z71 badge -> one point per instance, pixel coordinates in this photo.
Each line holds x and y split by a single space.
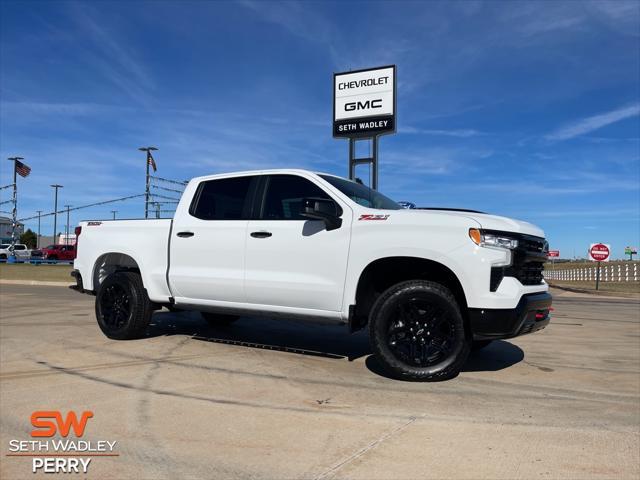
373 217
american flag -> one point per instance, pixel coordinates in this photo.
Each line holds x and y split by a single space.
22 169
151 161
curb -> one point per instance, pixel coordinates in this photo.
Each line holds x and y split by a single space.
34 282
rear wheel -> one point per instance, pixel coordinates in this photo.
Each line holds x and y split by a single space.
219 319
123 308
417 332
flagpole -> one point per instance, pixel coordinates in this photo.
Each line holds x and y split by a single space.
14 218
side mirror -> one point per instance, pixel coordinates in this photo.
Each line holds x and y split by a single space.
322 209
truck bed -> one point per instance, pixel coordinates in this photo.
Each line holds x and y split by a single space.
145 240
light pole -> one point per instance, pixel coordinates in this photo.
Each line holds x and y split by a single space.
150 162
114 213
66 237
14 213
38 238
55 211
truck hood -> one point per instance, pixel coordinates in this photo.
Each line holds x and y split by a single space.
490 222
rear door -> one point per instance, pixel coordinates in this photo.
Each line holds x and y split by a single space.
207 245
292 261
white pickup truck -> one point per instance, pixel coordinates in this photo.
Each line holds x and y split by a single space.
431 284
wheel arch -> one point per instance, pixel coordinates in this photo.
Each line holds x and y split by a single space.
382 273
112 262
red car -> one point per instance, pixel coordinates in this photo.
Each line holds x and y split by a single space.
56 252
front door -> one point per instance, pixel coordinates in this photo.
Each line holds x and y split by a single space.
292 261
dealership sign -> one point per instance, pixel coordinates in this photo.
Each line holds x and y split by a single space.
599 252
554 253
364 102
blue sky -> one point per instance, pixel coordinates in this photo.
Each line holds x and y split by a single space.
525 109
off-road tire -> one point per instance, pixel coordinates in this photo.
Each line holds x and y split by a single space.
384 316
123 309
219 319
480 344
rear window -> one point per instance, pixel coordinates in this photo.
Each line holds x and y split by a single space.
224 199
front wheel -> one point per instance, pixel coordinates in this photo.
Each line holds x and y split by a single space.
417 332
123 308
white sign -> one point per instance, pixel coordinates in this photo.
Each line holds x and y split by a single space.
364 102
599 252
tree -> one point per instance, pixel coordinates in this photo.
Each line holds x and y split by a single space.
29 238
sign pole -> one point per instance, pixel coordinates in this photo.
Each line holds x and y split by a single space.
352 158
598 275
374 163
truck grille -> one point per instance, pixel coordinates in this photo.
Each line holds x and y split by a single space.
530 273
527 262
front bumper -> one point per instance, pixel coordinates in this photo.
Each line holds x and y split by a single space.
530 315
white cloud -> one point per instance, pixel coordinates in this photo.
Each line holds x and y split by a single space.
459 133
595 122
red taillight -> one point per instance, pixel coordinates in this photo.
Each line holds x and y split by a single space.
78 231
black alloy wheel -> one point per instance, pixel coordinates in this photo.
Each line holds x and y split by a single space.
418 332
115 306
123 309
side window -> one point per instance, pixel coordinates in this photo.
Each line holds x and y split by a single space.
225 199
20 247
284 195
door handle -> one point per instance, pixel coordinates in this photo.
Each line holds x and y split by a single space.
185 234
261 234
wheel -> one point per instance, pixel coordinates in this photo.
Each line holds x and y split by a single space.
480 344
123 308
417 332
52 257
218 319
3 257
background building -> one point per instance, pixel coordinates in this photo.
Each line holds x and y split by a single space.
5 229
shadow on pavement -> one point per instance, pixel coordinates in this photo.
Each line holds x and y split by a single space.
307 338
294 336
497 356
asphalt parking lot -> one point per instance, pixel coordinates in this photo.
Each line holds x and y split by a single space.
282 399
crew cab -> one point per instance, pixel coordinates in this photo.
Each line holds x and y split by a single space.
19 250
429 284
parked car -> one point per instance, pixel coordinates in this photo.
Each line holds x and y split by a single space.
20 250
430 284
56 252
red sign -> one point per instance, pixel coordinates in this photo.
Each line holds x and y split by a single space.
599 252
554 253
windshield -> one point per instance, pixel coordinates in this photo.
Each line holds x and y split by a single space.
362 194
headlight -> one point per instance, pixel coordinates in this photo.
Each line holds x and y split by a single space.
485 239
